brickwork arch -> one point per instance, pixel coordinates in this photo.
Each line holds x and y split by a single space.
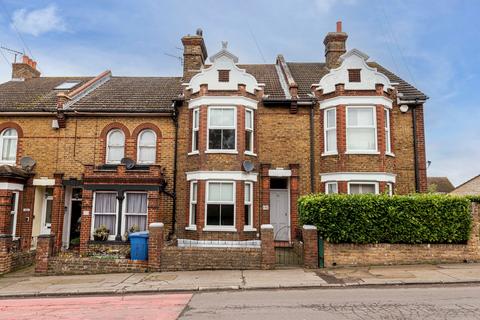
136 133
103 138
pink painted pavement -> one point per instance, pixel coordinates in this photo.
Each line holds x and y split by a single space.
134 307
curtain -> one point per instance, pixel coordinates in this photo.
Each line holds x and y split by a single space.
220 191
140 221
105 203
136 203
107 220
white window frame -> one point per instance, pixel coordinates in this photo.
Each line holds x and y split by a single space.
14 214
124 211
140 146
234 127
329 129
251 130
195 129
249 227
221 228
2 138
92 228
364 182
388 141
389 188
374 126
331 183
193 202
107 160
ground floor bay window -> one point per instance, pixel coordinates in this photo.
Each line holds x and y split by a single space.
362 188
220 206
134 208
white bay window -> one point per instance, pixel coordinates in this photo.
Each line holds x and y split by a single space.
388 143
249 131
362 188
330 129
220 205
192 220
195 129
222 128
361 130
248 205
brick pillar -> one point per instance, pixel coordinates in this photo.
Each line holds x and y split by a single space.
155 246
5 257
5 209
474 239
265 193
268 248
85 222
25 215
154 213
58 210
45 250
294 186
310 247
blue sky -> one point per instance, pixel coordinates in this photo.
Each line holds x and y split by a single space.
432 44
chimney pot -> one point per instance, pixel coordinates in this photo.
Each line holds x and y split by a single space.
27 69
335 46
25 59
339 26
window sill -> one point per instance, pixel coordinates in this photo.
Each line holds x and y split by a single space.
224 229
222 151
248 229
329 154
191 228
390 154
193 153
362 152
248 153
10 163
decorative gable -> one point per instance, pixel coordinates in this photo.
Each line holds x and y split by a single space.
223 74
354 73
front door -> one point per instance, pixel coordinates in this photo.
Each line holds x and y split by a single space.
47 211
279 214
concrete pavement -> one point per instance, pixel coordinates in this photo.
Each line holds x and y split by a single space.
24 283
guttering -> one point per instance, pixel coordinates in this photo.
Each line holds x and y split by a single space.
33 113
118 113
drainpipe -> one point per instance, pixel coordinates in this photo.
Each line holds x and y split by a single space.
175 158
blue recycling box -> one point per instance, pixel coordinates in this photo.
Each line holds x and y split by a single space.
139 245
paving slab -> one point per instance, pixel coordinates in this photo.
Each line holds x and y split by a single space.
286 278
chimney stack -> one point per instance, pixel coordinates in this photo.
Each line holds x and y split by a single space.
27 69
335 46
194 54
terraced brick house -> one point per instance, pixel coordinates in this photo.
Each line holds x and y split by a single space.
213 154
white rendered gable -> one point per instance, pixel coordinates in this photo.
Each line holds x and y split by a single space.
354 59
223 60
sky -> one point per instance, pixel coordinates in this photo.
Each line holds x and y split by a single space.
432 44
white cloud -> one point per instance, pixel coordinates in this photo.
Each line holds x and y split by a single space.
38 21
324 6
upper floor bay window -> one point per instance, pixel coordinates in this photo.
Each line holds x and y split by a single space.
388 143
248 205
221 128
220 205
361 129
192 219
147 147
330 129
249 131
8 145
331 187
115 146
195 129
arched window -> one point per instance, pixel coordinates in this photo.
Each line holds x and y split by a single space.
146 147
8 145
115 146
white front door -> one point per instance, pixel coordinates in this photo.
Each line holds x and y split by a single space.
280 214
47 212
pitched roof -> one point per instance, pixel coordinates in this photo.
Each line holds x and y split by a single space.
440 184
266 74
469 187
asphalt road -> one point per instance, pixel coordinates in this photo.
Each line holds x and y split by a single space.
461 302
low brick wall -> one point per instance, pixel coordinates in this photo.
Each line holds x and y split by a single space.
109 248
176 258
22 259
346 254
62 265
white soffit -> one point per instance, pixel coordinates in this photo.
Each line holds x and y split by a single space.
222 175
11 186
356 101
223 101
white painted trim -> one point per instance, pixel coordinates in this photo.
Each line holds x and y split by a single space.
191 228
218 243
223 101
309 227
139 140
11 186
195 128
335 183
219 228
266 227
222 175
235 127
44 182
358 176
377 191
92 227
226 228
250 204
190 204
249 229
279 173
356 100
229 151
374 127
156 225
325 130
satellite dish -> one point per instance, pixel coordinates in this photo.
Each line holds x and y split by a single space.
248 165
27 163
129 163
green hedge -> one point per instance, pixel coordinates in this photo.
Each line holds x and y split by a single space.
418 218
